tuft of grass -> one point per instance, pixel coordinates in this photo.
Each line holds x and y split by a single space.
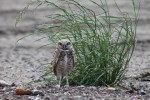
103 43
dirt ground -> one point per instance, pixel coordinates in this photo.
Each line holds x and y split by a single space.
22 62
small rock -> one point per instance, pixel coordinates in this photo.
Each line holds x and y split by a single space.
66 93
31 98
110 89
142 90
34 98
61 98
13 84
85 94
77 97
57 94
130 91
66 86
131 88
37 98
81 86
38 93
4 83
58 86
92 87
47 98
6 89
22 91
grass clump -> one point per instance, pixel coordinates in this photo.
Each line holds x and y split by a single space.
103 43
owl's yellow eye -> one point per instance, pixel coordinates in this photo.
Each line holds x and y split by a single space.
68 43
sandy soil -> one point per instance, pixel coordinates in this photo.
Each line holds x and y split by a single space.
24 62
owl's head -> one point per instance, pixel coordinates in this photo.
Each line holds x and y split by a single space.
64 44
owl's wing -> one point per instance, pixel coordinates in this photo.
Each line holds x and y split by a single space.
55 62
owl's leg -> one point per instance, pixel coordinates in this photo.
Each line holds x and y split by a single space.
59 79
67 81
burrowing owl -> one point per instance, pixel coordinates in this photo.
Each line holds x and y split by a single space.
63 60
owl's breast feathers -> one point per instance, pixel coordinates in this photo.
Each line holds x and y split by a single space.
62 60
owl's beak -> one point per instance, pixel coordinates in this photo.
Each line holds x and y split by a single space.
65 47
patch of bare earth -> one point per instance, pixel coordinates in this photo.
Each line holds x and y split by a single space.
23 62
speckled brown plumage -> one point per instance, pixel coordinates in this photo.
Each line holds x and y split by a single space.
63 60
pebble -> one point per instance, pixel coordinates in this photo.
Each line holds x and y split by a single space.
92 87
37 92
81 86
78 97
4 83
110 89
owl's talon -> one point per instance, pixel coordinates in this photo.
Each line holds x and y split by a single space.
66 86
